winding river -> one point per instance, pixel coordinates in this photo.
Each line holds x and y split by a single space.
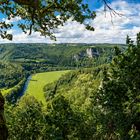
25 86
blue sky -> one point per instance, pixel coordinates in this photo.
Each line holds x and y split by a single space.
95 4
107 29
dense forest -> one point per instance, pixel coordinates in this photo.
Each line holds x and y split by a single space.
10 74
88 91
91 102
68 55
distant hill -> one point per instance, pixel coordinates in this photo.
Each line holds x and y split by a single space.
85 55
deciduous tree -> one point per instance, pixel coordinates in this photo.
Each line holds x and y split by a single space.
43 15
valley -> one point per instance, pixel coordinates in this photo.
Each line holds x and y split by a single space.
67 91
19 61
69 70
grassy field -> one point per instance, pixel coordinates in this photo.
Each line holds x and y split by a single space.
38 81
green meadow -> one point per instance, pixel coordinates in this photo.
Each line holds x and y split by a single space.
39 80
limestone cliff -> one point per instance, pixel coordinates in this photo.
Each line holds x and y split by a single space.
91 52
88 53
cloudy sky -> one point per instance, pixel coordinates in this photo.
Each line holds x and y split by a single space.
107 29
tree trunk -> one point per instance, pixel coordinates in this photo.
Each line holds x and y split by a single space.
3 128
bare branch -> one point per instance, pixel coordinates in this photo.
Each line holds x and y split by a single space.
111 10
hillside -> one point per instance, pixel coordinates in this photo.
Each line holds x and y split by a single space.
93 103
66 106
10 74
76 86
80 55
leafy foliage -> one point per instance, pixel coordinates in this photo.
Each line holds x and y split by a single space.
76 87
119 94
26 119
10 74
99 103
58 121
3 128
43 16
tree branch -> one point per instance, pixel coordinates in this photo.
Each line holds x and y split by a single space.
112 11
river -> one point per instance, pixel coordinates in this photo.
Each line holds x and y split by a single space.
25 86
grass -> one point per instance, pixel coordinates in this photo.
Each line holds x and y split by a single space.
6 91
38 81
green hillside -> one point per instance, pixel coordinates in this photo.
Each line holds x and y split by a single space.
10 74
76 86
58 54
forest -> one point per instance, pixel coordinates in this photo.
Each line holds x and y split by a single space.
69 91
91 102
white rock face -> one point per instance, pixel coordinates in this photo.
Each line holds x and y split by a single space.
91 52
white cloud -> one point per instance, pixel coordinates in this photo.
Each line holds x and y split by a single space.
105 31
12 20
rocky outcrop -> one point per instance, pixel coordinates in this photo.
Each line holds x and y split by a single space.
3 128
92 52
89 53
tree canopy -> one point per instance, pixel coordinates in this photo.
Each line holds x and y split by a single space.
42 15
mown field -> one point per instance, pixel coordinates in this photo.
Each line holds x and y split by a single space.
38 81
